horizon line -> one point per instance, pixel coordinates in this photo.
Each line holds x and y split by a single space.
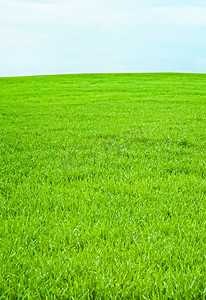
92 73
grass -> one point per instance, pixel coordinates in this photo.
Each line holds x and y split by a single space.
103 189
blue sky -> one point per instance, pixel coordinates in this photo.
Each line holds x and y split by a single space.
83 36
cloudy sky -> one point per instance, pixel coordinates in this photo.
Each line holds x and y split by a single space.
83 36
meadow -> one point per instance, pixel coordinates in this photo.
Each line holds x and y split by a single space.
103 186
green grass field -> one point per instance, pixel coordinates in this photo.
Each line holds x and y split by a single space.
103 187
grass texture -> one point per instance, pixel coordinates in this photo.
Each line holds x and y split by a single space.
102 187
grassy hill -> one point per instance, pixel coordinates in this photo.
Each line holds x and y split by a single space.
102 186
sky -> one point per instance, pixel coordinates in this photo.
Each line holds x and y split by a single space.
102 36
